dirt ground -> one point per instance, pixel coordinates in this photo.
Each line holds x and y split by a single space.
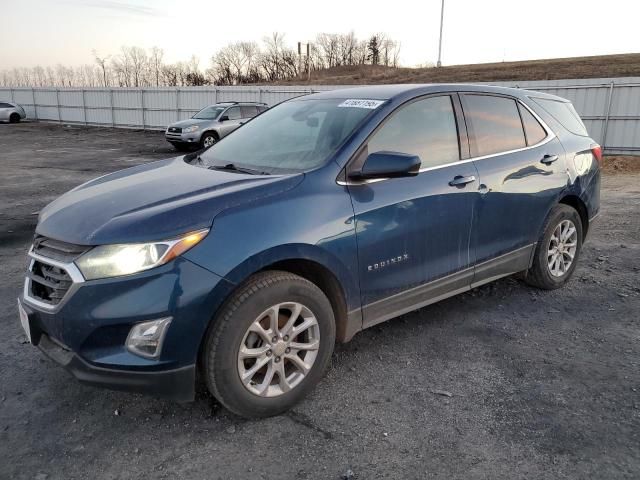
542 385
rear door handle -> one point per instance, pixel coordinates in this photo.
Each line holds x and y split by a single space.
549 159
460 181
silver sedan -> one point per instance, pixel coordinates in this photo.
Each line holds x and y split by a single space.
11 112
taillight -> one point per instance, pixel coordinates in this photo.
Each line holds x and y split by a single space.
597 152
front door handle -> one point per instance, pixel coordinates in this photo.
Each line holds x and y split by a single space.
460 181
549 159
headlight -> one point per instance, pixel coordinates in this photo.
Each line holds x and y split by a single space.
115 260
190 129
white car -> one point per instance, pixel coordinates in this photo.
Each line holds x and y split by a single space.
11 112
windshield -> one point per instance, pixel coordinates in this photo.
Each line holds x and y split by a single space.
294 136
209 113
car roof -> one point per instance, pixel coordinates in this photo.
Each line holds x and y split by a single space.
389 92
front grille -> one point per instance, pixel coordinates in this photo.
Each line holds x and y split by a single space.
48 278
174 130
48 283
57 250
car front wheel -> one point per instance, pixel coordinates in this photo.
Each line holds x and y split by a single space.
269 345
208 140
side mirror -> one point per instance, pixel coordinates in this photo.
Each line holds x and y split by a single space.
388 165
224 118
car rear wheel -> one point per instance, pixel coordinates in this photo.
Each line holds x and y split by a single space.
557 250
14 118
208 140
269 345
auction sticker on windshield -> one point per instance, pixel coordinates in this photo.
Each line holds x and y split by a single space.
361 103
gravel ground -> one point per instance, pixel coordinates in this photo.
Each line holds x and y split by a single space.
501 382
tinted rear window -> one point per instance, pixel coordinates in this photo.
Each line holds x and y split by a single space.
494 123
564 113
532 128
249 111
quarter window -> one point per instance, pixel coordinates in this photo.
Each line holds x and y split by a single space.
494 124
564 113
426 128
532 128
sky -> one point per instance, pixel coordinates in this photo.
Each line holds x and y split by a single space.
48 32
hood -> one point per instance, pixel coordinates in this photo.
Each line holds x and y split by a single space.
190 121
154 201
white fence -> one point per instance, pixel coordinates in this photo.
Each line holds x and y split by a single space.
610 107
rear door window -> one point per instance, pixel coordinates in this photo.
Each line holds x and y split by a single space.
564 113
494 124
249 111
534 132
426 128
233 113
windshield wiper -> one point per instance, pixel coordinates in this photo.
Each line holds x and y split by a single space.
230 167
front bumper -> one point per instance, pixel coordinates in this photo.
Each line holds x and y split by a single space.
191 138
87 334
175 384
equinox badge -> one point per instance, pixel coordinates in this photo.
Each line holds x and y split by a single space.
389 261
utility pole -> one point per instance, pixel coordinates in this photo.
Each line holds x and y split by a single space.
308 62
439 64
308 46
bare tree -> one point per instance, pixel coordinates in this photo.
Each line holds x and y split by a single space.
328 43
236 63
155 62
138 60
102 63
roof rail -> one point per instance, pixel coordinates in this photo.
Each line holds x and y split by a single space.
233 102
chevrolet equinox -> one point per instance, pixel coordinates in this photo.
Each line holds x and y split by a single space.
321 217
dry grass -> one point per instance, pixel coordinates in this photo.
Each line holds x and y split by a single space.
627 65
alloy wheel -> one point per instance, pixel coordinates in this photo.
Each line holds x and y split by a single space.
209 141
279 349
562 248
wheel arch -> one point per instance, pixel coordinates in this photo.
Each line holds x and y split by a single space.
315 264
326 281
577 204
347 323
210 130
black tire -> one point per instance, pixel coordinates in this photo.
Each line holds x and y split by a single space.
227 333
208 137
539 275
14 118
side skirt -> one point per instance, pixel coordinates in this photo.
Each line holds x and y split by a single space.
459 282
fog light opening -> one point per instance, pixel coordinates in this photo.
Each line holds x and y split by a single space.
145 339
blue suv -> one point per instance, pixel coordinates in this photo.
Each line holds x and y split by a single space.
320 217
